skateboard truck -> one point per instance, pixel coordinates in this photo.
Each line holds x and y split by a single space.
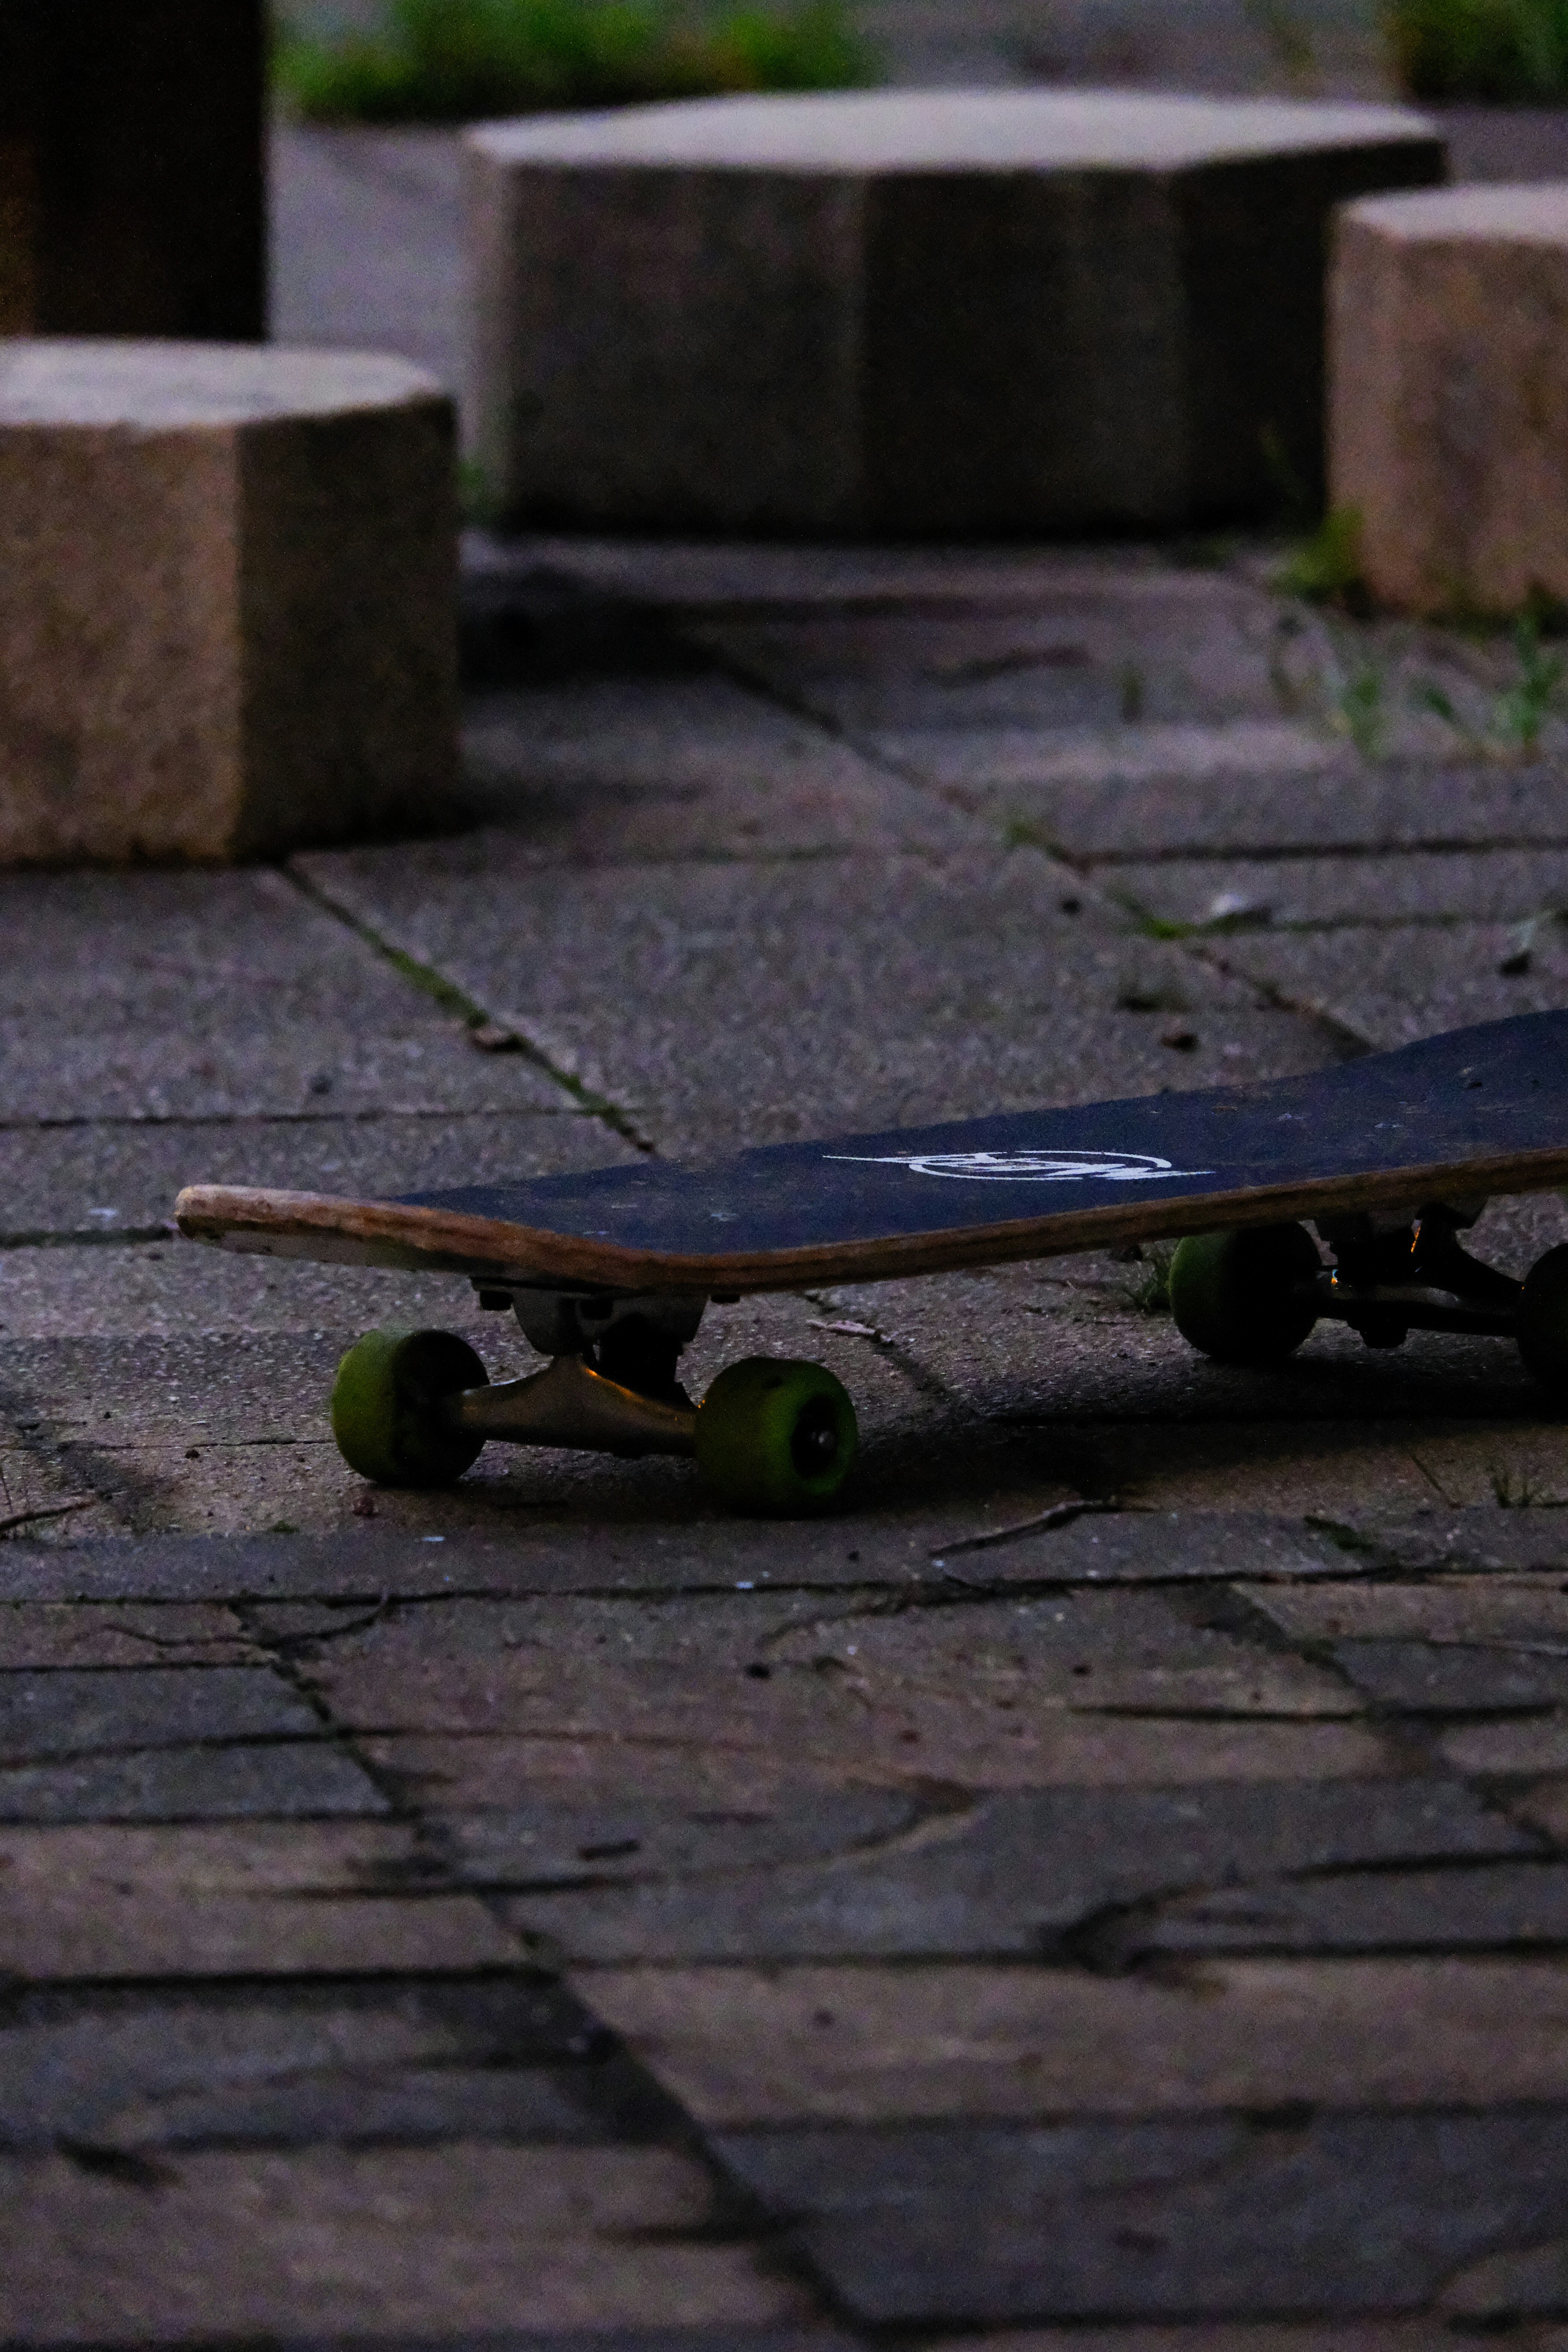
1392 1278
610 1387
570 1404
415 1409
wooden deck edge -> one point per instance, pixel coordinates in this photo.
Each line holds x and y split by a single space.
383 1233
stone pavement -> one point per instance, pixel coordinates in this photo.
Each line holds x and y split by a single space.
1108 1890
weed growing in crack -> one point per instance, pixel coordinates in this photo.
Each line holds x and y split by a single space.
1148 1293
1523 708
1325 566
1358 699
1440 703
1510 1495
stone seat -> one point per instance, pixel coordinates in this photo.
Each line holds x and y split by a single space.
227 599
945 311
1449 395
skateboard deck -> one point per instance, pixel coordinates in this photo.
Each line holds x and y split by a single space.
1477 1111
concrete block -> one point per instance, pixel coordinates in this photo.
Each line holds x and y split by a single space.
227 599
935 311
1449 415
132 176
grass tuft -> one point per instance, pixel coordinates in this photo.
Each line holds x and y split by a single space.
1150 1292
1507 52
1325 567
458 60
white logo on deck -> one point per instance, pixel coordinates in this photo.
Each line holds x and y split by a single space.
1030 1167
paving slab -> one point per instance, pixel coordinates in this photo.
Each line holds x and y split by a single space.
1336 1469
1207 803
1499 1907
1037 1873
989 1695
85 1296
241 1782
938 988
863 2044
366 248
1507 1748
1219 898
1465 1609
39 1496
106 1181
1086 652
155 996
1390 987
253 1898
38 1634
611 771
1346 2335
288 2062
1426 1677
1145 2221
307 1583
1504 1542
412 2242
1545 1807
73 1710
466 1772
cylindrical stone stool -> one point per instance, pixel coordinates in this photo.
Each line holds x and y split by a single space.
1449 395
227 599
949 312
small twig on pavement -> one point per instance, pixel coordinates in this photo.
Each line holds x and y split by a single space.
49 1511
1060 1515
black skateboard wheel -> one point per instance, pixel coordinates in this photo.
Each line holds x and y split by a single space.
1543 1321
1242 1297
775 1438
386 1407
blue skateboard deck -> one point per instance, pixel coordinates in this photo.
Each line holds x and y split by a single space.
1475 1112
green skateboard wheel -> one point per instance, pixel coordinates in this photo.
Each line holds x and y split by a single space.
386 1407
1238 1295
775 1438
1543 1321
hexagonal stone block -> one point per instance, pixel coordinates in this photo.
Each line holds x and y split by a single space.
1448 320
933 311
227 599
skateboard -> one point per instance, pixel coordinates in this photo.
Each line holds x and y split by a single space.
1391 1159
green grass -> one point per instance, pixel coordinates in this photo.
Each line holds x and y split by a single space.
1325 566
1512 52
1149 1294
456 60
